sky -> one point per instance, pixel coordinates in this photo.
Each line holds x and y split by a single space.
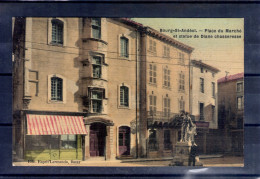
225 54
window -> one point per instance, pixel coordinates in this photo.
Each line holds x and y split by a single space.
240 87
181 82
153 145
166 51
56 89
201 106
240 102
124 46
181 58
166 77
213 89
97 67
68 141
96 101
152 74
213 113
152 105
57 31
181 104
201 70
167 140
202 85
96 28
166 107
152 46
124 96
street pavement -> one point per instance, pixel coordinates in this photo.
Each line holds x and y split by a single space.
214 161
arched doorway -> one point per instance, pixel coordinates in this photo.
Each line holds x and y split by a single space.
124 140
97 139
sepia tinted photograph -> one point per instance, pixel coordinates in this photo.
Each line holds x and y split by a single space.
128 92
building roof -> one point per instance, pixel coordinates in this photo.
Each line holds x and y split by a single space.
231 78
155 33
204 65
168 39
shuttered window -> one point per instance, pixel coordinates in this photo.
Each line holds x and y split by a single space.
152 106
181 81
166 107
166 77
152 73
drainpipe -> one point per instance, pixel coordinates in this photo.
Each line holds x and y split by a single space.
190 104
136 99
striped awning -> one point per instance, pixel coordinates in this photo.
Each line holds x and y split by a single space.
54 125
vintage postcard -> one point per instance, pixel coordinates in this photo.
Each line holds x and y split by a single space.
128 91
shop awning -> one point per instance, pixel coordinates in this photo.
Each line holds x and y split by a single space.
54 125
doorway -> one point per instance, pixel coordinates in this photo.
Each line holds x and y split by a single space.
97 141
124 140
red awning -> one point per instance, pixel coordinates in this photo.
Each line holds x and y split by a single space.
54 125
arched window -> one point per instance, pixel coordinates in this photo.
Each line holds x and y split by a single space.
56 89
124 46
57 31
124 96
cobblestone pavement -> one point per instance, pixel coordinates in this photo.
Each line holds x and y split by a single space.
228 161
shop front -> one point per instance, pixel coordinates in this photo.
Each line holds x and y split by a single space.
54 137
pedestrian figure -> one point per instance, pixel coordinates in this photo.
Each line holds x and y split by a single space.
193 153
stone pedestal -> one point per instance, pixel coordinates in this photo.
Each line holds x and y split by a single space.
181 157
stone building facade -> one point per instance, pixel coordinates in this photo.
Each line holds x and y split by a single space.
96 87
231 113
204 102
164 92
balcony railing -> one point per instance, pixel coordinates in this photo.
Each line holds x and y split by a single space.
162 118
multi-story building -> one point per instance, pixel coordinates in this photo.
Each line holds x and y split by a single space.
75 87
204 102
231 113
96 87
164 91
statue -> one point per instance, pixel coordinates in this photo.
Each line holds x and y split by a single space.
188 128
